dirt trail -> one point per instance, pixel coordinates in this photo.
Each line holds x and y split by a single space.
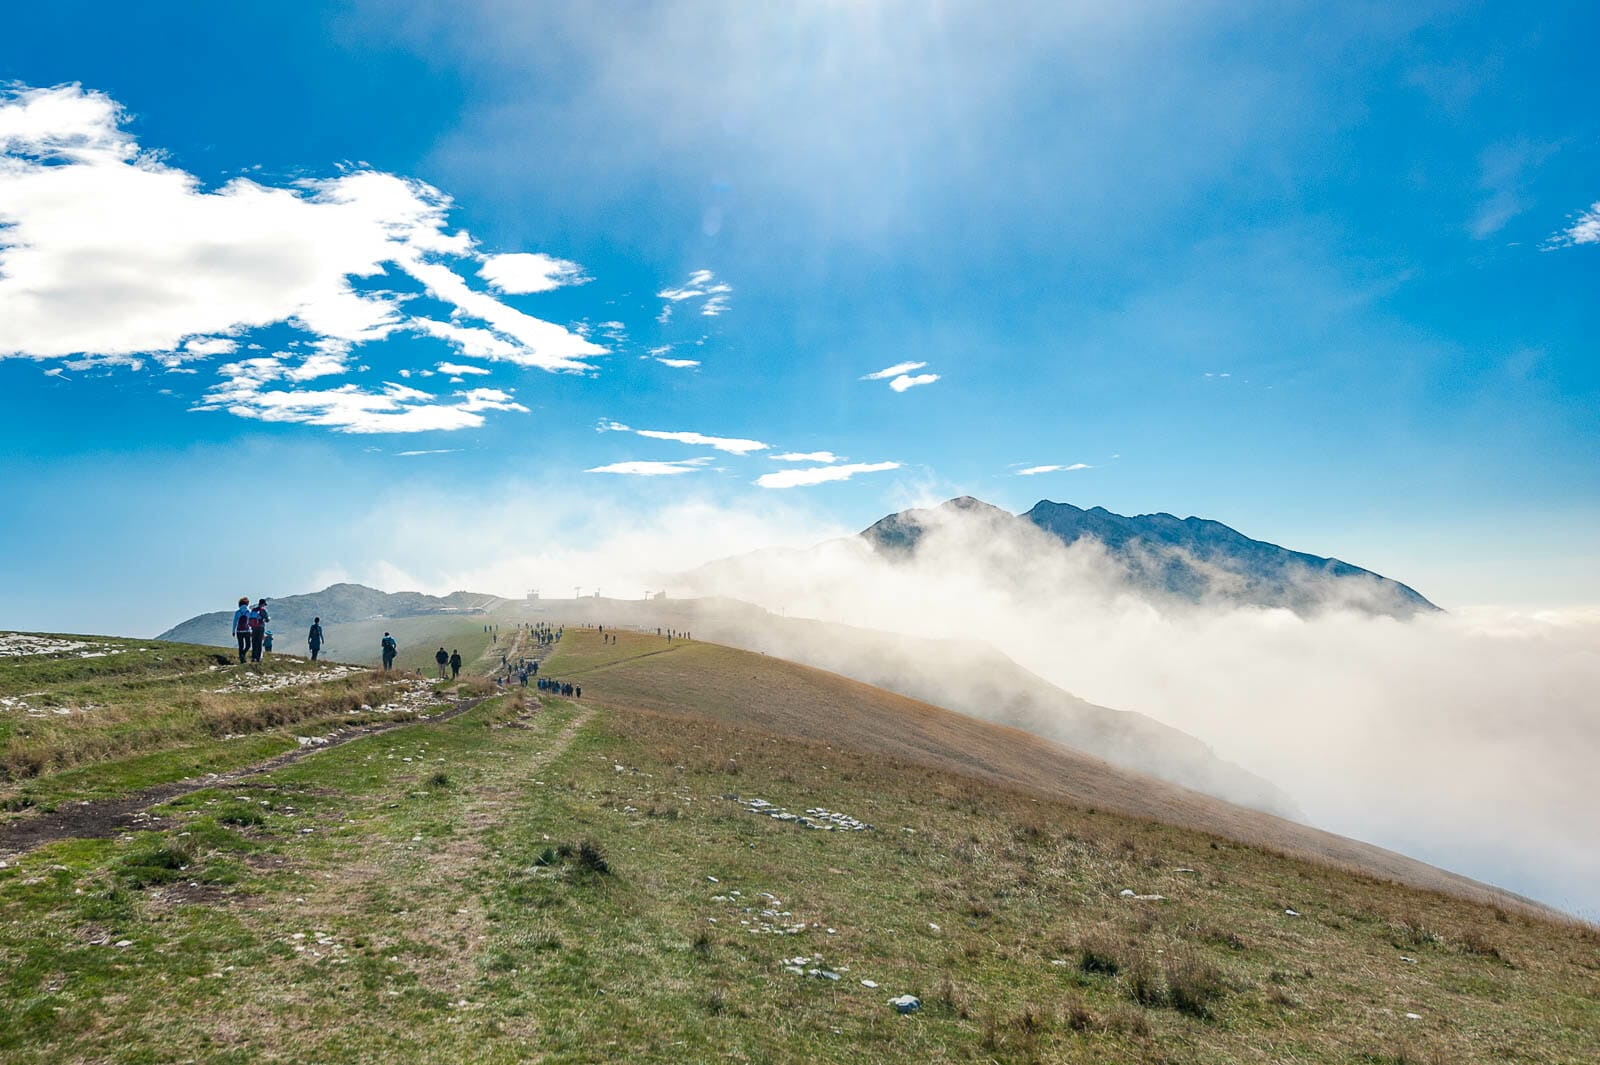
111 817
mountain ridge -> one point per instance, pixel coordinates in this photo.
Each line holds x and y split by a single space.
1189 559
340 602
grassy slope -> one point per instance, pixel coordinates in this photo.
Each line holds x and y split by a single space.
149 713
430 929
710 680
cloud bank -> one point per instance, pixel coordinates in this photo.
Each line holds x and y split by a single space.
1464 739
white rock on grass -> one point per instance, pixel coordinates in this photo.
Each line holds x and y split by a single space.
869 984
906 1003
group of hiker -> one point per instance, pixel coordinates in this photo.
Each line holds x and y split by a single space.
565 689
451 660
255 639
250 629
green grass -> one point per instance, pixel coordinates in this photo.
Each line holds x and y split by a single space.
150 713
551 898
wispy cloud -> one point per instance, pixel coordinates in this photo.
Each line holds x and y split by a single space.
1033 471
528 272
428 451
893 371
111 255
905 381
679 364
1585 229
456 369
806 456
702 285
248 391
640 468
821 474
732 445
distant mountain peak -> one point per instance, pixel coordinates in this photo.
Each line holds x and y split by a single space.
1191 559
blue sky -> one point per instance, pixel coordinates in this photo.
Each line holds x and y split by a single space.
1327 274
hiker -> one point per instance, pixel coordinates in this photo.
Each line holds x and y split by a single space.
455 665
390 649
442 657
578 691
522 675
314 638
258 628
241 627
266 641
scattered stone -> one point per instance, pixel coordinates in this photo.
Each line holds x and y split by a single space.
869 984
121 943
1291 913
1413 1016
817 818
906 1003
1412 961
713 879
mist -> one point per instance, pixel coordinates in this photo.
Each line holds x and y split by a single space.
1466 739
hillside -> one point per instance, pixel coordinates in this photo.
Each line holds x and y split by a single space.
715 855
292 614
967 676
1190 560
970 678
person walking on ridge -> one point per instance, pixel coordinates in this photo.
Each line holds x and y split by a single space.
390 649
455 665
258 629
442 657
314 638
241 627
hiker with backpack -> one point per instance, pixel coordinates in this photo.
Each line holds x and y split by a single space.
455 665
266 641
241 627
314 638
442 657
390 649
258 629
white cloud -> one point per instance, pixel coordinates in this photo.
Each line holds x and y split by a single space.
806 456
732 445
395 408
699 286
1033 471
893 371
903 382
821 474
207 346
679 364
1585 229
108 253
527 272
314 366
458 370
656 353
428 451
652 469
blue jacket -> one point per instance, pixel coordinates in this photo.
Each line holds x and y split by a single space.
243 612
315 635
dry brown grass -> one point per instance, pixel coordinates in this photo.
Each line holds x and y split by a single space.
719 683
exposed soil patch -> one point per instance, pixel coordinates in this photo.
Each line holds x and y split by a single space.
112 817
